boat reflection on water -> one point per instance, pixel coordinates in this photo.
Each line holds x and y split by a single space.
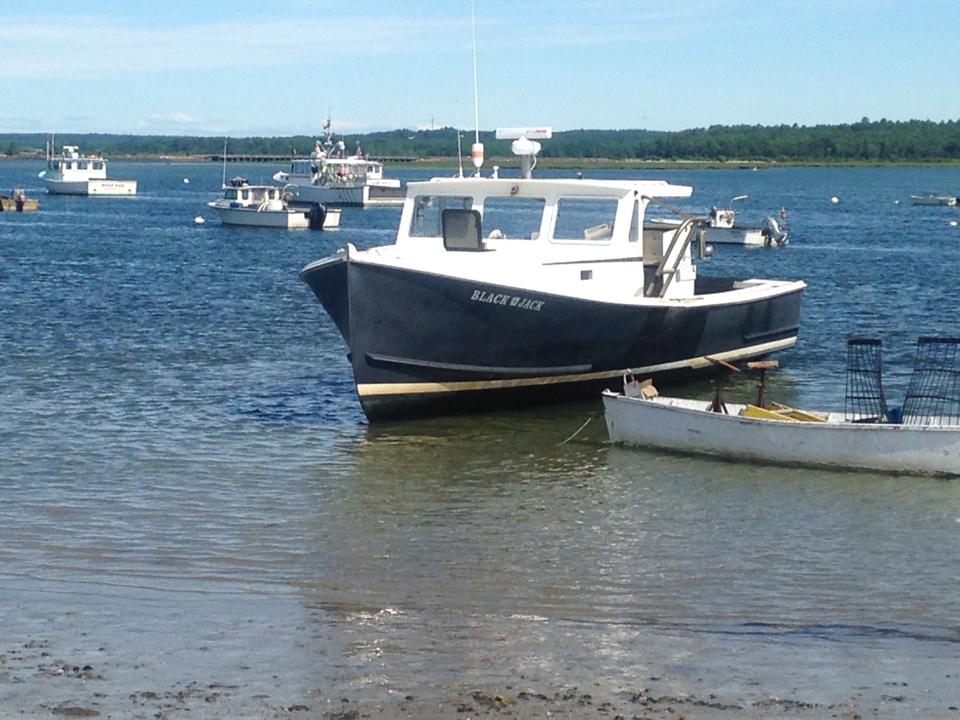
486 450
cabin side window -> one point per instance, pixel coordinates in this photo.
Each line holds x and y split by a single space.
82 165
585 218
513 218
230 194
98 165
245 194
427 210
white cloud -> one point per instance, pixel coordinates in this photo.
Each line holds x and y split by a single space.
65 46
173 118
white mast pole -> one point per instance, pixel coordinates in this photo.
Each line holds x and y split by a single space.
476 152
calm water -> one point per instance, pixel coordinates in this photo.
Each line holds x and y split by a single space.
190 492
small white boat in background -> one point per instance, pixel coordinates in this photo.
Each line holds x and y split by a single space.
922 437
934 199
17 201
722 229
265 206
71 173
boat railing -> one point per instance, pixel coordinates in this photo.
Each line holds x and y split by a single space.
673 257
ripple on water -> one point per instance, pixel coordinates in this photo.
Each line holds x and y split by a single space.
180 433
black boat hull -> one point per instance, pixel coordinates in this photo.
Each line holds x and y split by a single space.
424 344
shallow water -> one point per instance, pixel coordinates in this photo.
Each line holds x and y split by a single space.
190 493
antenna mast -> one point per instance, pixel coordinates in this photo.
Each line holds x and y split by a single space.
476 152
223 180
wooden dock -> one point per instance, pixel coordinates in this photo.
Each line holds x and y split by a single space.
254 158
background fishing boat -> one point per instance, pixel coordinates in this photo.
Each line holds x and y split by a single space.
934 199
71 173
264 206
333 177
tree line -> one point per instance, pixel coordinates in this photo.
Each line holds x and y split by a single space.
864 141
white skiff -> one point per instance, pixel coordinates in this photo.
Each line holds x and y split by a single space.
780 435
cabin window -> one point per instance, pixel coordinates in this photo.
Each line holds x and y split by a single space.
231 194
98 165
427 210
82 165
514 218
68 166
585 218
244 194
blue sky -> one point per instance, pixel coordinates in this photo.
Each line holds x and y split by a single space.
278 67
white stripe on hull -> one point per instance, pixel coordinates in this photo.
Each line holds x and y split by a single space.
266 218
372 390
91 187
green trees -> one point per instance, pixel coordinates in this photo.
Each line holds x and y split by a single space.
864 141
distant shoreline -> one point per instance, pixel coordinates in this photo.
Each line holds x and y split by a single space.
546 162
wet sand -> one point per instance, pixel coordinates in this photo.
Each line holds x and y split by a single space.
36 681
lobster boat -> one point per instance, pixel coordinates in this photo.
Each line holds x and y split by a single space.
509 290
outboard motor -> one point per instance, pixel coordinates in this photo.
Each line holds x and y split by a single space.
318 213
772 234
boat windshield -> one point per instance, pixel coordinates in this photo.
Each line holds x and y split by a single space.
585 218
303 167
427 210
516 218
339 171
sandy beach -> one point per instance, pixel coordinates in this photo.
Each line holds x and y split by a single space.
39 682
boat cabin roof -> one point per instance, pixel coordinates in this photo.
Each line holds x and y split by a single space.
547 188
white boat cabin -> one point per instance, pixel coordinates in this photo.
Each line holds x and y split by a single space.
239 193
72 166
721 218
332 171
584 236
